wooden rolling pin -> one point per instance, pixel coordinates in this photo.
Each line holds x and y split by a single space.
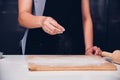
115 56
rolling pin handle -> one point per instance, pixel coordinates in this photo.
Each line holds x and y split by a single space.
106 54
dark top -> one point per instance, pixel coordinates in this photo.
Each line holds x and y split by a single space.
68 14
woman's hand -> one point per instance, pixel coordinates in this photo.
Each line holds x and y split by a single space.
50 26
93 51
30 21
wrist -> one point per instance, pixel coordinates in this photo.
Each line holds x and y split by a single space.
87 48
41 20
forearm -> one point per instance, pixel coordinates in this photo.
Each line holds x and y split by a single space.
88 33
28 20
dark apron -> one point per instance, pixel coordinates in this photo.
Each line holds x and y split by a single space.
68 14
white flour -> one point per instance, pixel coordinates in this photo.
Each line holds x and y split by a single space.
67 61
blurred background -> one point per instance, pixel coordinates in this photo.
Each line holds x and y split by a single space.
10 32
105 15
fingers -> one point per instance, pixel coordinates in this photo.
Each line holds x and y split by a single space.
52 30
52 27
97 50
94 51
55 24
89 51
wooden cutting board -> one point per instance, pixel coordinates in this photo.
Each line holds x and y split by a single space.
68 63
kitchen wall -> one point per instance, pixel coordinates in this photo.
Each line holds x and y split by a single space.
105 15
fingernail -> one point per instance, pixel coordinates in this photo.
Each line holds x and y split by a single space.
63 29
60 32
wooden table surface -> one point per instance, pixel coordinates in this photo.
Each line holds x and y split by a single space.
14 67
